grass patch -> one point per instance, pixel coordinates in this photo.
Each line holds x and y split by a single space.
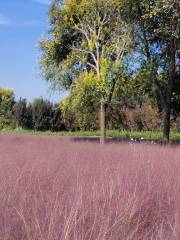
124 135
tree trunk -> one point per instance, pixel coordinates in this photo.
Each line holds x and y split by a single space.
167 104
166 123
103 122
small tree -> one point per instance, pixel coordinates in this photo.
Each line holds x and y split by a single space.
88 37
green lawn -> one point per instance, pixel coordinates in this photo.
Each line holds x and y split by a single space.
126 135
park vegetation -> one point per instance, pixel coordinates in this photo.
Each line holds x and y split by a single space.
42 115
124 53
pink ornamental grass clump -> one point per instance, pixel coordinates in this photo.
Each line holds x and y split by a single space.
54 189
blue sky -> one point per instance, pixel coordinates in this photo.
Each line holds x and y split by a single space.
22 24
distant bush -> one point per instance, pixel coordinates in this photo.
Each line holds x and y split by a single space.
23 114
56 123
79 111
42 114
143 118
6 107
39 115
7 123
68 115
80 108
137 119
46 116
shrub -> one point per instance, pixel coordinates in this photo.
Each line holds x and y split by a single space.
68 115
6 106
46 116
143 118
7 123
82 105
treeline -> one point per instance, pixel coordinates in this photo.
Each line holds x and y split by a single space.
40 115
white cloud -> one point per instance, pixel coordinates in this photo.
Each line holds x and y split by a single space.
47 2
4 21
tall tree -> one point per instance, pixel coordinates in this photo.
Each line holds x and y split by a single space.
158 31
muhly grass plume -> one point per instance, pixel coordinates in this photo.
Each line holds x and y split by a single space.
54 189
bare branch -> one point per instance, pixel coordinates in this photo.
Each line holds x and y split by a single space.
93 66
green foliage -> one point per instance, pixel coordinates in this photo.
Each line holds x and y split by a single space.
68 116
115 134
97 40
41 114
157 39
23 114
85 98
46 116
86 93
6 123
56 123
80 110
57 47
92 62
89 50
6 106
6 101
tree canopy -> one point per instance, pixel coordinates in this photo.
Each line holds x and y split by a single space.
86 36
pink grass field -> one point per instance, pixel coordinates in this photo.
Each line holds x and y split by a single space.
55 189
